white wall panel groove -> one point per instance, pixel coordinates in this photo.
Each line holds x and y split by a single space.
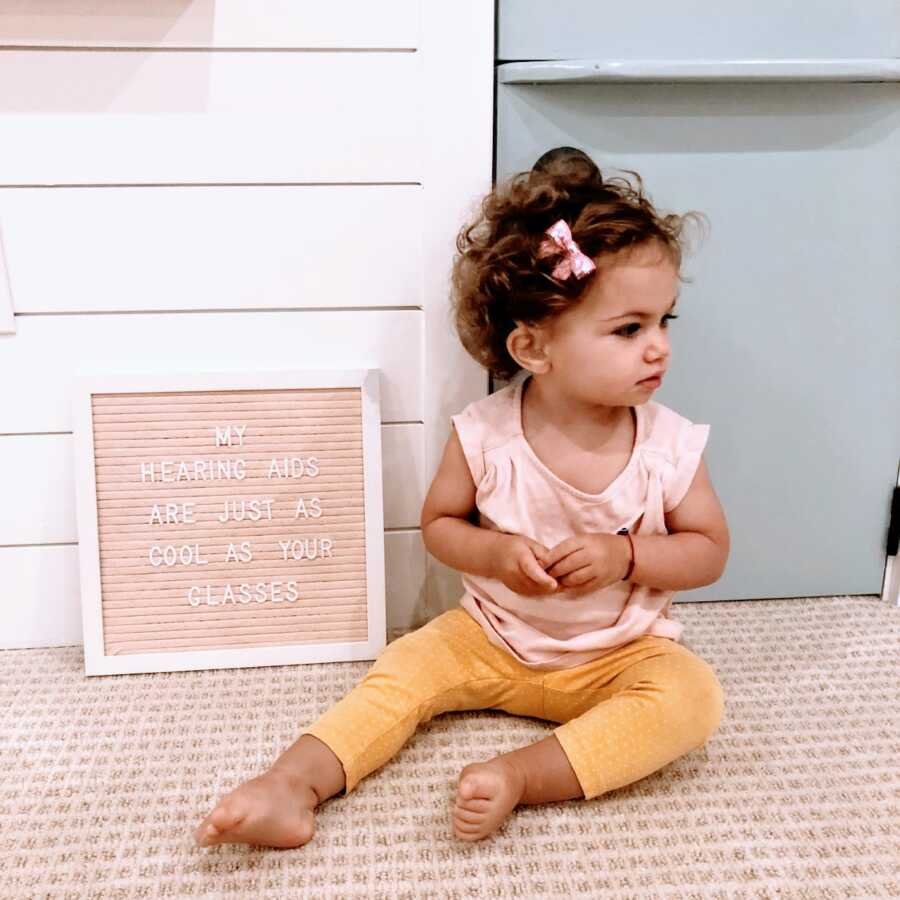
201 118
141 248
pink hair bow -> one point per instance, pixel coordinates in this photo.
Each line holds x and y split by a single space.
574 261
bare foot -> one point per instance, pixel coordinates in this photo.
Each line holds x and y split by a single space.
274 809
487 794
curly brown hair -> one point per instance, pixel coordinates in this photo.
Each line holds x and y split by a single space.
498 279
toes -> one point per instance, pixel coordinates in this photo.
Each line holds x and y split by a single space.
469 833
210 836
226 816
467 816
476 804
207 835
477 784
485 796
214 828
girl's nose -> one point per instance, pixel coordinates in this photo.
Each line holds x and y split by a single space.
658 347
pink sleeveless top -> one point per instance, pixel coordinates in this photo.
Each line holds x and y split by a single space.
517 493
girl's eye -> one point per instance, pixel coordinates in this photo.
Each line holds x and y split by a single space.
629 331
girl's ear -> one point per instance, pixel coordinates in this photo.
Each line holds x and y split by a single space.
525 345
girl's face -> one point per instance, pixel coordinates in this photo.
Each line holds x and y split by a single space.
617 335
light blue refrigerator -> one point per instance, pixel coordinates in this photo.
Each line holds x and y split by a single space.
782 126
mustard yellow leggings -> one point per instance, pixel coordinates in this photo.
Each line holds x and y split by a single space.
625 715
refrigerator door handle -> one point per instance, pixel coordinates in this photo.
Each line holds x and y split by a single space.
587 71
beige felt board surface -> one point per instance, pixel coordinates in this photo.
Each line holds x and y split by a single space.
230 519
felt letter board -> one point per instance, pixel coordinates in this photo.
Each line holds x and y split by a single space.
229 519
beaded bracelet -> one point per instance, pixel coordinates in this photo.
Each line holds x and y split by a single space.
631 564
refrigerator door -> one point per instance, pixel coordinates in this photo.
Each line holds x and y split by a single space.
788 341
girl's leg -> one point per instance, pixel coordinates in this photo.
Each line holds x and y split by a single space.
627 715
652 712
446 665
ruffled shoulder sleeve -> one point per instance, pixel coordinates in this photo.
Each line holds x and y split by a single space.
679 445
484 425
470 432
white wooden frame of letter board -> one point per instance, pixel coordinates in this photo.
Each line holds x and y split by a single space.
117 387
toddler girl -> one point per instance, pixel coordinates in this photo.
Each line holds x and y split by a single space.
572 504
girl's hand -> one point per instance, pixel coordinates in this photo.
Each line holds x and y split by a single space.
518 562
589 562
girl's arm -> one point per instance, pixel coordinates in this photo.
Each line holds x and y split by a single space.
446 530
694 552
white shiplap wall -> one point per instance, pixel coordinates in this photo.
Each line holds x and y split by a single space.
216 183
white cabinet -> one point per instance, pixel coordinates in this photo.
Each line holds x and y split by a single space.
218 185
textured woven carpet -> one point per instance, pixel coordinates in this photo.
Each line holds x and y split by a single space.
796 795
